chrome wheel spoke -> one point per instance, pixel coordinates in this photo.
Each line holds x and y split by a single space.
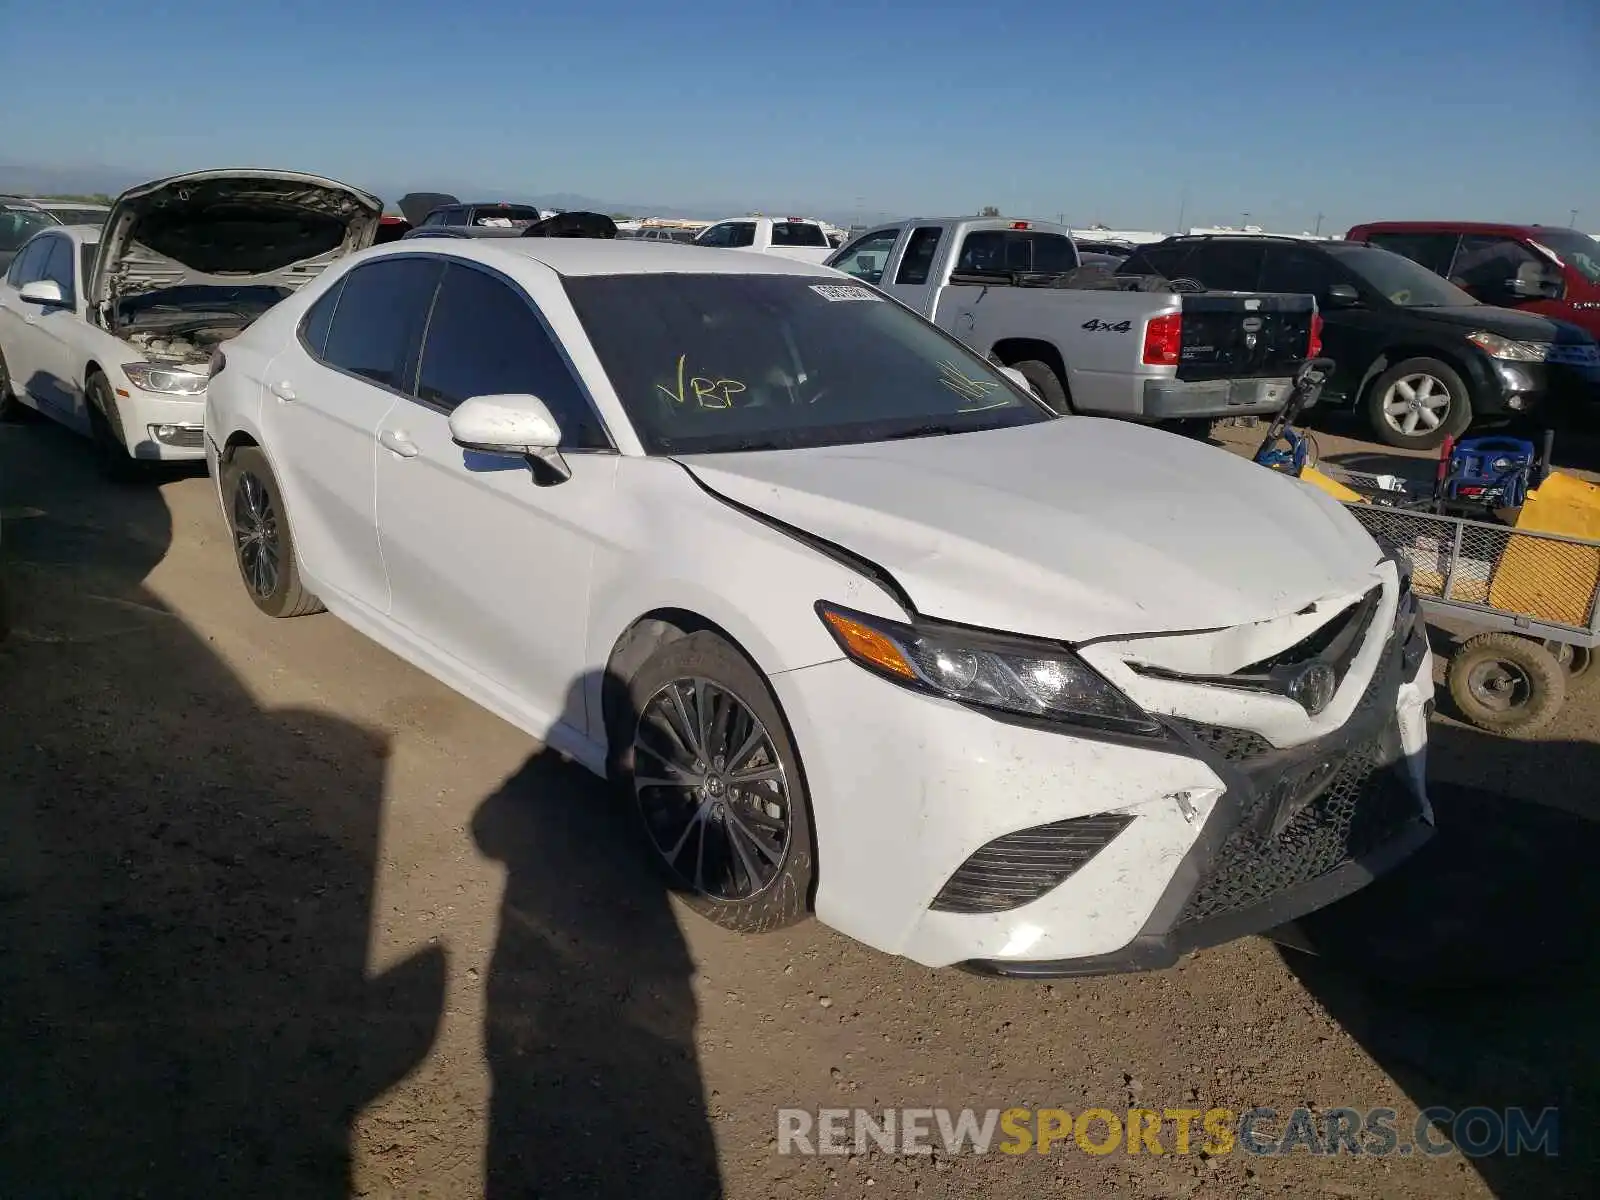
713 796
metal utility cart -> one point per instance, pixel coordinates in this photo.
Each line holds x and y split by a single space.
1537 594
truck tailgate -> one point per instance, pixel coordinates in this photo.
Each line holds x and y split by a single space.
1240 335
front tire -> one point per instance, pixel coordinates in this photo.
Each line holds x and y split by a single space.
262 543
1505 683
105 430
705 754
1416 404
11 409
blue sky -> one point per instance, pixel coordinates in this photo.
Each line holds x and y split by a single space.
1120 112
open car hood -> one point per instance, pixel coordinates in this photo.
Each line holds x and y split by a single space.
229 228
1071 529
415 206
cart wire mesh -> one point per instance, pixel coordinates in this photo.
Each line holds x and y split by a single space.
1532 576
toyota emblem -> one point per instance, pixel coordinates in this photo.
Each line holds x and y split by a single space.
1312 689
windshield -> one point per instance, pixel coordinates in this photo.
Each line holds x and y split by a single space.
80 216
1404 282
1577 250
17 225
707 363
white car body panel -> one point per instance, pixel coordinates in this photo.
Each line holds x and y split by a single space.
1142 548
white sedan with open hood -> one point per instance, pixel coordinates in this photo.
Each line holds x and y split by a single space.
859 625
109 330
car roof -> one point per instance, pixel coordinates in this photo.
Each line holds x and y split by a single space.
607 256
1457 227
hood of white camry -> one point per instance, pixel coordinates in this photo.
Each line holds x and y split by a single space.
232 227
1072 529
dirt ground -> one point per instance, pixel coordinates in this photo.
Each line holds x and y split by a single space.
282 917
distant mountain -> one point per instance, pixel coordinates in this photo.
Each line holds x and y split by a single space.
35 180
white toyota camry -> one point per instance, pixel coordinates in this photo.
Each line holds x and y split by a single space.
860 626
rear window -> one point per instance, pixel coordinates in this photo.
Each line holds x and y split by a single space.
1016 250
505 216
798 233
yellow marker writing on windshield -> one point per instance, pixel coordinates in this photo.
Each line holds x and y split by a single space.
708 393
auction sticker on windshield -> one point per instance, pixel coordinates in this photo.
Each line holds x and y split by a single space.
843 291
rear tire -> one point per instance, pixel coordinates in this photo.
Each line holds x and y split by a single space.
105 430
1413 393
263 545
1046 384
1505 683
704 754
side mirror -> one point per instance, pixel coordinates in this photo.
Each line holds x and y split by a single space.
1018 378
1539 287
43 291
516 425
1343 295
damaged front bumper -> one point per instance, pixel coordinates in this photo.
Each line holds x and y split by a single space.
1295 829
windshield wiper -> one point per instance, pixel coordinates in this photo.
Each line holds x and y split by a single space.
923 431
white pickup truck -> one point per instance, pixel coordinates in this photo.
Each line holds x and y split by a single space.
791 237
1089 341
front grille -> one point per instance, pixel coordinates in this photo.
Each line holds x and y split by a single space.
1234 745
1020 867
1366 803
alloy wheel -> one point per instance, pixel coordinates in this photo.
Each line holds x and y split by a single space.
711 789
1416 404
255 534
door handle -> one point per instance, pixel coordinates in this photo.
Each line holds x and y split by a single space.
283 390
398 442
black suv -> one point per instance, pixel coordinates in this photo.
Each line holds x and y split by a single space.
1420 357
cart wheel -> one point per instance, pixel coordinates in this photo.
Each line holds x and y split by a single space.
1574 660
1506 684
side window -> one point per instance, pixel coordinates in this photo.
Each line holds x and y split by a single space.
314 325
1226 266
717 235
741 233
1487 263
436 217
865 257
918 258
29 265
484 339
59 267
1431 250
454 216
379 318
1297 270
1164 260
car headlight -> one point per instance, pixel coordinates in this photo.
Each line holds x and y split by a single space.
1508 349
174 381
1044 681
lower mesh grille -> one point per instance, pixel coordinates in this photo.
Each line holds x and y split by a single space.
1020 867
1234 745
1363 806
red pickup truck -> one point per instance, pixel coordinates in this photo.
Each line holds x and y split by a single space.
1545 269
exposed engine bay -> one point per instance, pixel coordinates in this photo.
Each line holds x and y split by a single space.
191 347
181 326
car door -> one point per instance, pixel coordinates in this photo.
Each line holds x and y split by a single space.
51 333
486 565
1352 336
17 318
913 272
31 331
326 394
